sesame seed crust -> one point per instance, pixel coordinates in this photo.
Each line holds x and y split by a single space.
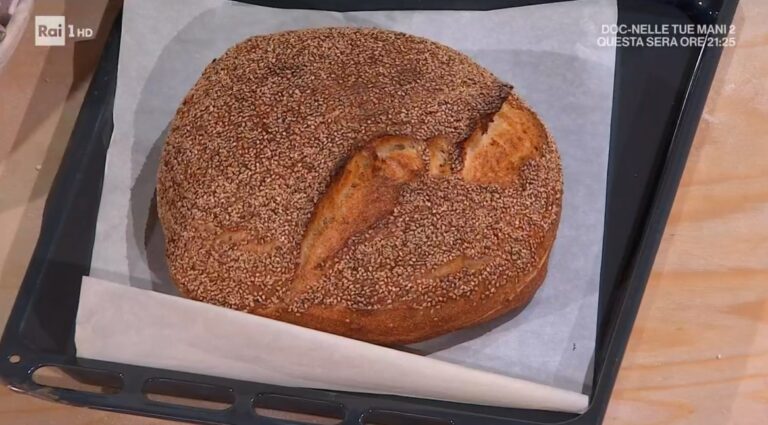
257 142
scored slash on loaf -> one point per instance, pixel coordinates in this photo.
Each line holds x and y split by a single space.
363 182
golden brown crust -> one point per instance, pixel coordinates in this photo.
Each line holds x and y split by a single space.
439 148
281 194
499 146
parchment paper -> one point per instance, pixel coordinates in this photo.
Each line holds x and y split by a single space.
548 52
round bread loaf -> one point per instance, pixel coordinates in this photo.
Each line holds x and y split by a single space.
362 182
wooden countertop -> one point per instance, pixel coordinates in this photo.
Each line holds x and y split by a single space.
699 349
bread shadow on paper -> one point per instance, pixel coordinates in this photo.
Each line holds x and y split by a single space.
145 233
449 340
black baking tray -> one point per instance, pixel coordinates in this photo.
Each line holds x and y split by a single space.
659 95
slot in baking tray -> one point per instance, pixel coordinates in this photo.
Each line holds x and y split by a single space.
659 95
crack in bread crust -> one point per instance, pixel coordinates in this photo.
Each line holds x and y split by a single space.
365 190
368 186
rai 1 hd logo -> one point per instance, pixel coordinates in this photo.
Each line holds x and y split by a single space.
53 31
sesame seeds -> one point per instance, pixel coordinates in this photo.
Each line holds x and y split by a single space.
255 144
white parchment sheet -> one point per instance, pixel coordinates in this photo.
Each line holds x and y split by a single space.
540 358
